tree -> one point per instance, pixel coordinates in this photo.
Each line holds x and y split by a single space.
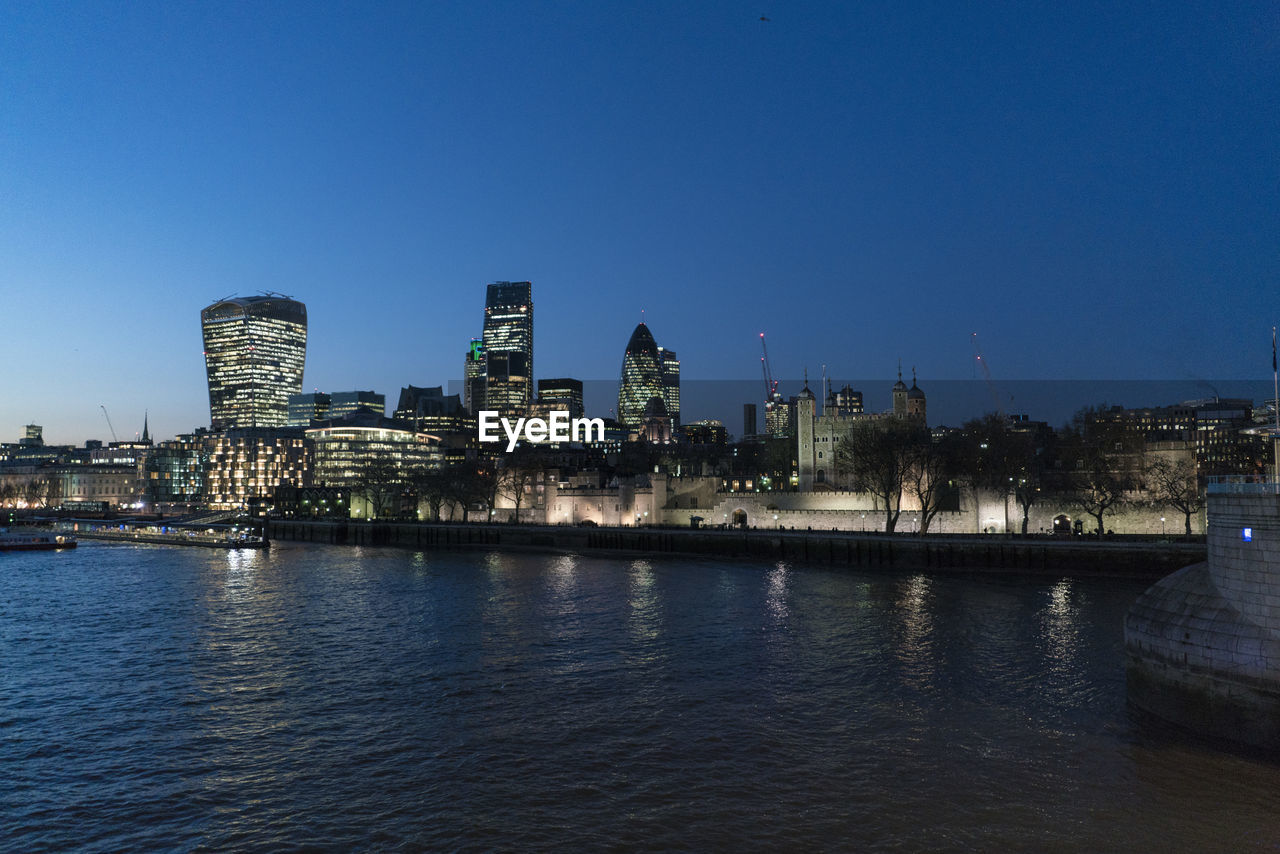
931 467
1004 461
379 480
432 486
1104 462
36 492
517 475
876 455
1176 485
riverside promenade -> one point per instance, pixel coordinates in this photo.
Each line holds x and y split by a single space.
952 552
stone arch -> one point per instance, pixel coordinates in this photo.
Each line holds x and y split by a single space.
738 518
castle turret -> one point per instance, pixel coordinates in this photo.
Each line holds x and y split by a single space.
806 411
915 405
900 395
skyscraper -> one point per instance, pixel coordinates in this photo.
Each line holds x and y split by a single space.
670 383
563 393
254 352
344 403
642 377
473 377
508 348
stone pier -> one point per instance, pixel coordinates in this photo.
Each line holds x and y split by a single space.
1203 645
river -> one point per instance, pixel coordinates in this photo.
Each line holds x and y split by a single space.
326 697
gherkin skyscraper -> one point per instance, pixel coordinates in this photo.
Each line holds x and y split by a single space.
648 371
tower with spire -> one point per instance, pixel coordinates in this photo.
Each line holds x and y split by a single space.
900 395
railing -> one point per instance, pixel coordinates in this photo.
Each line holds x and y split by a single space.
1243 484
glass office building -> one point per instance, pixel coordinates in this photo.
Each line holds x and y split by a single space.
508 347
254 352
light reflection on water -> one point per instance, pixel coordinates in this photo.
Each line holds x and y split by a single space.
366 698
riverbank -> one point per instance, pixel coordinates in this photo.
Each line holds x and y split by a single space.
191 539
952 553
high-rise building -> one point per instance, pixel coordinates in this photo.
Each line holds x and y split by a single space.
345 402
307 407
430 410
508 346
254 352
563 394
473 377
642 378
670 383
748 420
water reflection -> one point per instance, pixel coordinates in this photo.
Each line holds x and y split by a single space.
914 648
776 597
1059 623
239 582
644 623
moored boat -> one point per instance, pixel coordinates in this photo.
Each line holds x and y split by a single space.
34 541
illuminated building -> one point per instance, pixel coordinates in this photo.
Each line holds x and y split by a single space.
369 453
670 383
508 346
174 473
709 431
473 377
254 352
247 466
560 395
343 403
34 437
308 407
642 378
104 485
430 410
777 417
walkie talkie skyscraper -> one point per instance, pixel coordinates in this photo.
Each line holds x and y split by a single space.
255 349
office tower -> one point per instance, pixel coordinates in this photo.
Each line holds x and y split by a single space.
748 420
473 377
670 383
307 407
508 345
254 352
431 410
562 394
346 402
641 377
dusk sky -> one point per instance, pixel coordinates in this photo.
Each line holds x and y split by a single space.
1093 189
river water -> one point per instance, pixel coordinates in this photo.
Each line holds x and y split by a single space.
320 697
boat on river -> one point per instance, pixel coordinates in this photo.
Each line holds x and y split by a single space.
24 541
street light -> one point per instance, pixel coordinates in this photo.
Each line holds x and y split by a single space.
1162 526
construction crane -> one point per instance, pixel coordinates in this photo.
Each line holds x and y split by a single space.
770 384
103 407
772 400
986 373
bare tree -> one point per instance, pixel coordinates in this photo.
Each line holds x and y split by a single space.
1176 485
517 475
1104 462
876 456
930 472
432 487
378 479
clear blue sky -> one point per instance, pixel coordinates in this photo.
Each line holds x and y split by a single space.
1094 190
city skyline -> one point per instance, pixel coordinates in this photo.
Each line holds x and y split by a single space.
1092 190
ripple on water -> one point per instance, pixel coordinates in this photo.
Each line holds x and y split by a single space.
357 698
